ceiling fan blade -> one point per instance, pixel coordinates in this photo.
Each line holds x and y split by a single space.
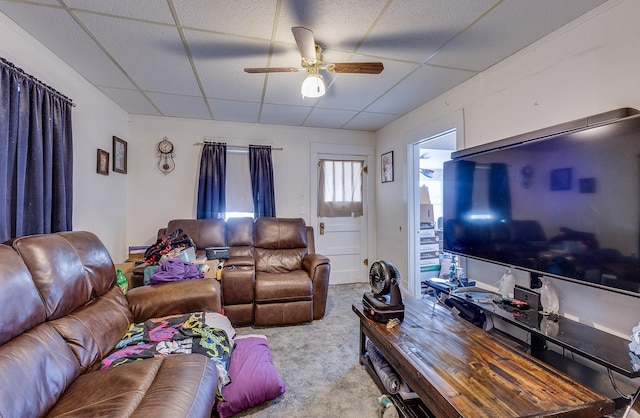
272 70
356 67
306 42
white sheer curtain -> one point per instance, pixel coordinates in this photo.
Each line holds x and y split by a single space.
239 197
340 188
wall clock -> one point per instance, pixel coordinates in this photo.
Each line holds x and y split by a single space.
526 176
165 156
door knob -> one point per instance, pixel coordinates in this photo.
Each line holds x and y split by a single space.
321 228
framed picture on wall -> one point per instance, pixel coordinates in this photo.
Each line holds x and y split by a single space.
102 164
387 167
119 155
561 179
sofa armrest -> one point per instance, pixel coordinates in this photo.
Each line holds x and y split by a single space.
319 267
312 261
183 296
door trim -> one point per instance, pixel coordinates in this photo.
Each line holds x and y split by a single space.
422 135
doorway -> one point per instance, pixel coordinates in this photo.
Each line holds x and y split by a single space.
426 159
344 239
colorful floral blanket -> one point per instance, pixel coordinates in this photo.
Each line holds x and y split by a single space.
175 334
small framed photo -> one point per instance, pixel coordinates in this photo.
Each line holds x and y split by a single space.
102 164
119 155
587 185
387 167
561 179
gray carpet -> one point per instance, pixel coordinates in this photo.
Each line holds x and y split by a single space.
318 363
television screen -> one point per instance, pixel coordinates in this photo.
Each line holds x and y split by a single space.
565 205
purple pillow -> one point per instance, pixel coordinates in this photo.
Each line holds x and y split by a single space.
254 378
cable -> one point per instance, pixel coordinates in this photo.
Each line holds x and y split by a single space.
615 386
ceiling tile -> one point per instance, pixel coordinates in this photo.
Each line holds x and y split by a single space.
234 110
367 121
507 29
423 85
132 101
284 115
357 91
333 22
68 41
151 10
180 106
136 45
248 18
328 118
412 30
220 62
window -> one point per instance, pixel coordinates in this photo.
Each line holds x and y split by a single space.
340 188
238 196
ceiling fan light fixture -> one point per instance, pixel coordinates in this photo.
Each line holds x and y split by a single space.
312 86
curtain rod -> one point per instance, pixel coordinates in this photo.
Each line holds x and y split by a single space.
234 146
35 80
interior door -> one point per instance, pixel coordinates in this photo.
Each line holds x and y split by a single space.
343 239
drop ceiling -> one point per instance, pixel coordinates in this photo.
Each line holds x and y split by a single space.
185 58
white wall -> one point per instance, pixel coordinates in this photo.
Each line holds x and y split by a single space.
154 198
99 202
588 67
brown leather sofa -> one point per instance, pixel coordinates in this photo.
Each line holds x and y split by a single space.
274 276
61 313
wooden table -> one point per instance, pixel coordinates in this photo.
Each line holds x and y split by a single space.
459 370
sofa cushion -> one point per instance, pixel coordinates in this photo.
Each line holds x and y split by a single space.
283 313
170 298
95 258
57 266
93 330
293 286
56 271
36 367
19 295
279 261
144 389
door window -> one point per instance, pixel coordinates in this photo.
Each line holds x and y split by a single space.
340 188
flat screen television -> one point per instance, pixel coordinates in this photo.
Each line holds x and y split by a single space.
562 202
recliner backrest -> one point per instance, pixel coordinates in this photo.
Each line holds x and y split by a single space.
75 277
240 236
35 360
280 244
204 232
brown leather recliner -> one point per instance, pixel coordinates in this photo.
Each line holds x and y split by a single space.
291 282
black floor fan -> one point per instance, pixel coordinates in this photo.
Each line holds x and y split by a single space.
384 302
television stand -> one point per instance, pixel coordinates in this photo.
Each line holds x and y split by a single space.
604 349
457 369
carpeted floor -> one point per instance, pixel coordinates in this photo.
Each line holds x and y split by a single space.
318 362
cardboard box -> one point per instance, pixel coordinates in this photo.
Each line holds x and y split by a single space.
427 233
426 240
424 195
136 252
426 213
430 261
429 247
429 272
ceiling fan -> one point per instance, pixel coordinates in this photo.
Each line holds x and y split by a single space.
312 62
